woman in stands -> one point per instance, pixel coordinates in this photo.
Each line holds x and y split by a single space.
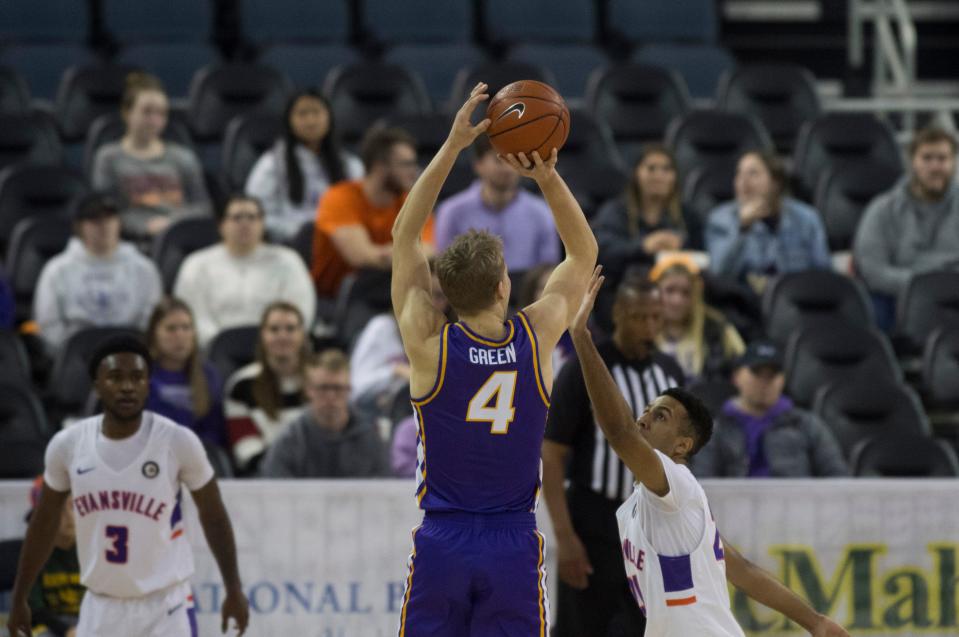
291 177
266 395
700 339
155 180
183 387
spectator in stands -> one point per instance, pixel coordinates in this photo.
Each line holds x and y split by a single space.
354 221
97 281
328 440
761 433
496 203
229 284
183 387
155 180
530 289
266 395
290 178
914 227
648 218
403 448
700 339
764 232
56 596
8 315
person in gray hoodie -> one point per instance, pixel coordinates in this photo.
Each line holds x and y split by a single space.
328 440
761 433
97 281
914 227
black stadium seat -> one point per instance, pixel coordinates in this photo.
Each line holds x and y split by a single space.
841 139
233 348
798 299
782 96
34 242
858 408
843 194
940 369
931 300
430 131
29 137
14 93
220 92
904 456
589 162
181 238
362 93
707 187
247 137
637 102
267 22
417 21
34 191
87 92
820 354
713 137
23 431
110 127
14 361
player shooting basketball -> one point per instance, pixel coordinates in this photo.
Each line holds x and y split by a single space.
481 393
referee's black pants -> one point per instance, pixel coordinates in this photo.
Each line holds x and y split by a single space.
605 608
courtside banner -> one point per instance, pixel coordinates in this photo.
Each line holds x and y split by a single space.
328 558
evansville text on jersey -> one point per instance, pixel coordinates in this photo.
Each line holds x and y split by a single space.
119 501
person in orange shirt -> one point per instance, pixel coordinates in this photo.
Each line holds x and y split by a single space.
355 218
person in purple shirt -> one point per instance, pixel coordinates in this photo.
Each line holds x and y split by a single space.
183 387
761 433
496 203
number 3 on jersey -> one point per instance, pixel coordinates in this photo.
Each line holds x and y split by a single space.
493 403
120 536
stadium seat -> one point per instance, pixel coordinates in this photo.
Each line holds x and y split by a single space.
798 299
362 93
166 22
782 96
34 242
14 92
931 300
637 102
174 63
707 187
496 75
572 64
701 65
272 21
69 385
859 408
840 140
29 137
23 432
218 93
713 393
181 238
904 456
416 21
44 21
306 65
33 191
110 127
843 194
41 65
219 459
820 354
589 162
233 348
712 137
940 369
510 22
436 64
14 362
663 20
302 242
247 137
87 92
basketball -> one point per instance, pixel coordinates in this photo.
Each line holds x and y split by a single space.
527 116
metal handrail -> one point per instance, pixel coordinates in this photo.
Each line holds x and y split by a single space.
894 62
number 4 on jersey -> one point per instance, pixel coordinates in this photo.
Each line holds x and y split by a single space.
493 403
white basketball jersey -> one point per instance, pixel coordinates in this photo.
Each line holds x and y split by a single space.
129 523
681 595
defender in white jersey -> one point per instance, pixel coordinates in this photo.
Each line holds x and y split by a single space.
676 562
126 470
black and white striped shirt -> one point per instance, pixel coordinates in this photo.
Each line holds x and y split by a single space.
594 465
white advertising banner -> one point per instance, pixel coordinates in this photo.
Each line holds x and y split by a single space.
328 558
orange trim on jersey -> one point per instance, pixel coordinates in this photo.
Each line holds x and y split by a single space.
440 372
176 534
540 383
539 584
409 586
479 339
683 601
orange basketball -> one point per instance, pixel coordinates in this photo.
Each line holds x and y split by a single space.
527 116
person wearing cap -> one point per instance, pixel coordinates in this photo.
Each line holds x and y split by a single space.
761 433
55 598
97 281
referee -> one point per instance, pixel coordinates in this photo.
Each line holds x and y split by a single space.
594 598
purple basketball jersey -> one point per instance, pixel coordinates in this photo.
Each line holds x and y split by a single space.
480 429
